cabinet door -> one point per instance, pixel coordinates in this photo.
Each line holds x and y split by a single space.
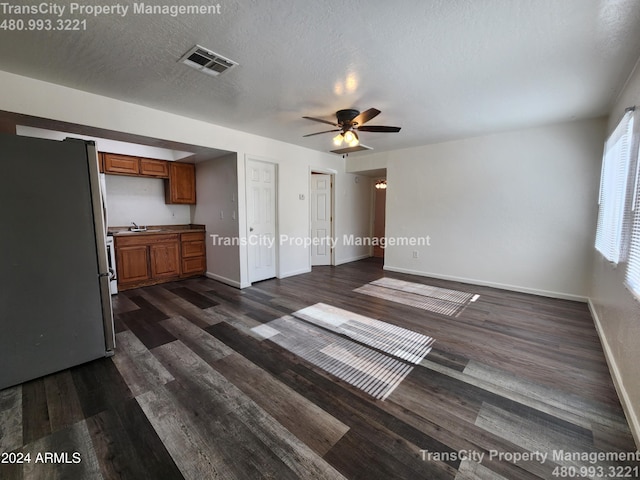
132 264
194 265
154 168
194 248
121 164
194 259
181 186
165 260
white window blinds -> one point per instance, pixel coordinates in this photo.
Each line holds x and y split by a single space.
632 278
613 188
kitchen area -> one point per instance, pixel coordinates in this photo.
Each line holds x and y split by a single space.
156 220
157 251
91 217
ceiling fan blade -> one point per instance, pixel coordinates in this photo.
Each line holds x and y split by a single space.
365 116
321 121
318 133
378 128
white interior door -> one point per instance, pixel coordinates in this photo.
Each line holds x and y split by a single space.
261 219
321 219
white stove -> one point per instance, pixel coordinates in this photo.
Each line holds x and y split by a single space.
111 258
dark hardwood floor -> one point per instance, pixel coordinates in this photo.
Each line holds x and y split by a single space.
193 392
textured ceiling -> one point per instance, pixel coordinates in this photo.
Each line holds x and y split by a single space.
440 69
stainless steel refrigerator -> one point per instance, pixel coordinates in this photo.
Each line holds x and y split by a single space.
55 305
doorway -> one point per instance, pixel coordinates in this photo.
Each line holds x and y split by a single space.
321 204
261 219
379 209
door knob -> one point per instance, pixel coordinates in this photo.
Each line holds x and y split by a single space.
251 229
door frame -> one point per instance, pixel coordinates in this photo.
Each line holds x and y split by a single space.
332 173
374 215
259 159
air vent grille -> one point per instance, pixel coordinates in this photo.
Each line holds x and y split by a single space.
207 61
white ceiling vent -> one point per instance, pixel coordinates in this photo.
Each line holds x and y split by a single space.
207 61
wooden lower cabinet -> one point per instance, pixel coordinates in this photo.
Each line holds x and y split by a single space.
132 264
194 255
148 259
193 266
165 260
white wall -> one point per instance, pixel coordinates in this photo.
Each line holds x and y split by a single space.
141 200
217 209
356 191
33 97
514 210
129 199
616 312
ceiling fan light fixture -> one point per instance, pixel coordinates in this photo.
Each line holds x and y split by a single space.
350 121
349 137
356 141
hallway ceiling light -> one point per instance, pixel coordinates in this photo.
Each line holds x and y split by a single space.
381 184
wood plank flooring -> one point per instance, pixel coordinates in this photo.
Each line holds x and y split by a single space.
193 392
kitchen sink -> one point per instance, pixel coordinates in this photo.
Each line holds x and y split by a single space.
144 230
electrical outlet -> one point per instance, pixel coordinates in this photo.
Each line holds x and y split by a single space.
415 254
221 215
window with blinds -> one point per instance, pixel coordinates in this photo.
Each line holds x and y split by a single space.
632 277
613 188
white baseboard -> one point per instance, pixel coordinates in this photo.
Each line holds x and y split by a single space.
225 280
625 401
294 272
352 259
503 286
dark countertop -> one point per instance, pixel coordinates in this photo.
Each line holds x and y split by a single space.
156 230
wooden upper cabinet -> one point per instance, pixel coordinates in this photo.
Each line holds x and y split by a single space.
117 164
180 178
101 162
154 168
121 164
181 186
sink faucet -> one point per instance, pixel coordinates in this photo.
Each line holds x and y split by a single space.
135 225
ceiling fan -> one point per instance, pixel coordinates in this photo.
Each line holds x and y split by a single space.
349 123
